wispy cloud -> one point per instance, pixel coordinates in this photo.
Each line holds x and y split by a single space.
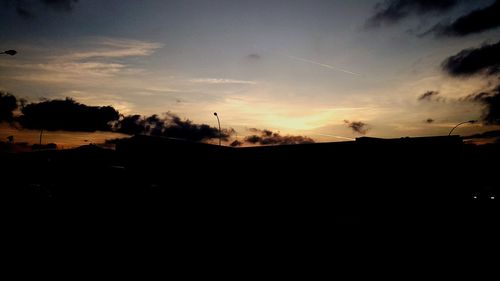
429 96
71 72
103 47
94 70
89 68
81 60
254 56
221 81
162 89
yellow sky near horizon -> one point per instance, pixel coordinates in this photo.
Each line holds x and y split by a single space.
61 138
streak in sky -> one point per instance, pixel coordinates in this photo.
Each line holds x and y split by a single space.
338 137
311 61
320 64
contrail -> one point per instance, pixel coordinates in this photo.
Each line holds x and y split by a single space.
311 62
321 64
333 136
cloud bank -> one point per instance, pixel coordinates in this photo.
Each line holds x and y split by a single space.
8 103
267 137
485 61
393 11
474 22
67 115
482 60
491 102
170 125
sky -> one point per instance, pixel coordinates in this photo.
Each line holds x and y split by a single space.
295 67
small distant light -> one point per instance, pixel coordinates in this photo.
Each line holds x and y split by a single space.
475 196
492 197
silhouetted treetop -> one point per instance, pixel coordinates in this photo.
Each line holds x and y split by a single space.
8 104
170 125
67 115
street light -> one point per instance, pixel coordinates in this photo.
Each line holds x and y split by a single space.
220 134
470 121
9 52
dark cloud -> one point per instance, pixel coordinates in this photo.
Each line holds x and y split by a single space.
132 125
428 96
236 143
482 60
24 13
185 129
253 139
268 137
254 56
264 133
392 11
476 97
267 133
491 102
170 125
60 5
115 140
67 115
476 21
489 134
28 9
358 126
8 104
429 120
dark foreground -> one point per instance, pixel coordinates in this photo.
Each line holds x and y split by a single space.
418 181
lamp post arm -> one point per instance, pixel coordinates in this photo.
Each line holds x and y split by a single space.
457 126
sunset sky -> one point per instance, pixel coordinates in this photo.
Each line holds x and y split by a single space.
297 67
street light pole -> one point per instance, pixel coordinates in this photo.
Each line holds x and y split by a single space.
41 133
9 52
220 134
470 121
